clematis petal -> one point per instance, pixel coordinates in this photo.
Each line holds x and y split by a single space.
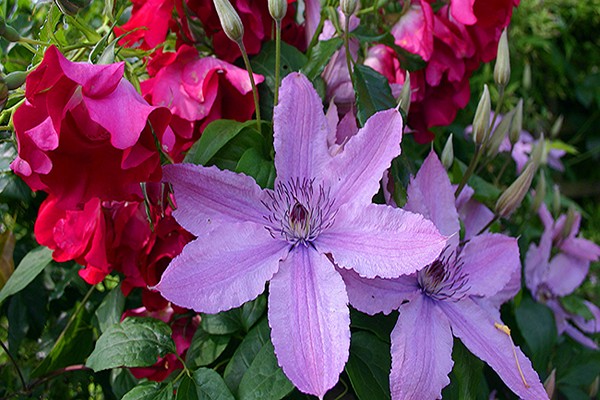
299 130
376 295
421 351
536 262
206 194
430 194
591 325
566 273
381 241
223 269
475 328
310 320
490 260
355 173
579 337
581 248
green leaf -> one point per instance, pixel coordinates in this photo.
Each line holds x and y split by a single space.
536 324
378 324
560 145
206 385
467 375
251 312
122 381
216 135
254 164
110 310
231 321
30 266
229 156
369 366
205 348
245 354
135 342
320 56
150 391
576 305
372 90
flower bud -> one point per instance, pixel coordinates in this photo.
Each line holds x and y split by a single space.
540 193
550 384
15 79
448 153
277 9
405 94
2 26
569 222
517 124
513 196
527 76
230 20
502 67
593 392
499 134
71 7
348 7
3 93
538 154
556 200
11 34
557 126
481 121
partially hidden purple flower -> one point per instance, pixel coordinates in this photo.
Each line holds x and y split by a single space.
319 213
551 277
457 294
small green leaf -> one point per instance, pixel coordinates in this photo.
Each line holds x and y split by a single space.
110 310
467 375
560 145
369 366
320 56
122 381
135 342
215 136
209 386
205 348
576 305
254 164
30 266
231 321
536 324
264 379
229 156
251 312
372 90
379 324
150 391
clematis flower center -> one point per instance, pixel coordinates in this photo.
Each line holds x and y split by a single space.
443 279
299 210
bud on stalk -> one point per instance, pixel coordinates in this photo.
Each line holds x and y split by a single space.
481 121
405 94
15 79
517 125
550 384
71 7
556 200
502 67
513 196
3 93
499 134
348 7
448 153
277 9
557 126
540 193
230 20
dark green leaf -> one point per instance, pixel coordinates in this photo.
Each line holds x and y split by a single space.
379 324
229 156
30 266
110 310
254 164
372 90
251 312
264 379
187 389
135 342
467 375
264 63
150 391
205 348
321 55
368 366
122 381
210 386
573 393
576 305
216 135
536 324
231 321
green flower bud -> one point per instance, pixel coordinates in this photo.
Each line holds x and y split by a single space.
71 7
405 94
557 126
3 93
539 152
481 121
277 9
593 392
448 153
2 26
15 79
550 384
556 202
540 193
568 226
517 124
11 34
513 196
499 134
527 76
230 20
348 6
502 67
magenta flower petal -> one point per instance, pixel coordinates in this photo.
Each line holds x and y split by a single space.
462 11
356 172
490 260
421 351
309 320
300 130
475 328
566 273
381 241
223 269
205 195
376 295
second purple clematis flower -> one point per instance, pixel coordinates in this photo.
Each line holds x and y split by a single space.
319 213
457 294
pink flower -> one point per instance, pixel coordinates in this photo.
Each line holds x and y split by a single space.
197 91
84 132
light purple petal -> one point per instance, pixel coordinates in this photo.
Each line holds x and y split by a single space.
579 337
545 216
205 196
508 292
430 194
475 328
355 173
536 263
377 240
310 320
300 130
421 351
566 273
376 295
223 269
475 216
592 325
581 248
490 260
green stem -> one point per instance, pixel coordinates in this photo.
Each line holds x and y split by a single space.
74 316
347 46
469 171
32 41
16 366
277 60
254 89
489 132
502 170
315 38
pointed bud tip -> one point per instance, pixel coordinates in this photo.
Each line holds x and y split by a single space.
277 9
230 20
502 67
481 121
513 196
348 7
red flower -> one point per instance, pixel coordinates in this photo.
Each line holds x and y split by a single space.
84 133
148 24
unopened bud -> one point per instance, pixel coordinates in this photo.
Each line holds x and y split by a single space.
3 93
517 124
11 34
277 9
15 79
481 121
499 134
538 154
569 222
448 153
71 7
550 384
405 94
513 196
557 126
556 200
502 67
230 20
540 193
527 76
2 26
593 392
348 6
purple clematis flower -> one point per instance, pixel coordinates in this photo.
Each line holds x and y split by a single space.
457 294
550 278
319 213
